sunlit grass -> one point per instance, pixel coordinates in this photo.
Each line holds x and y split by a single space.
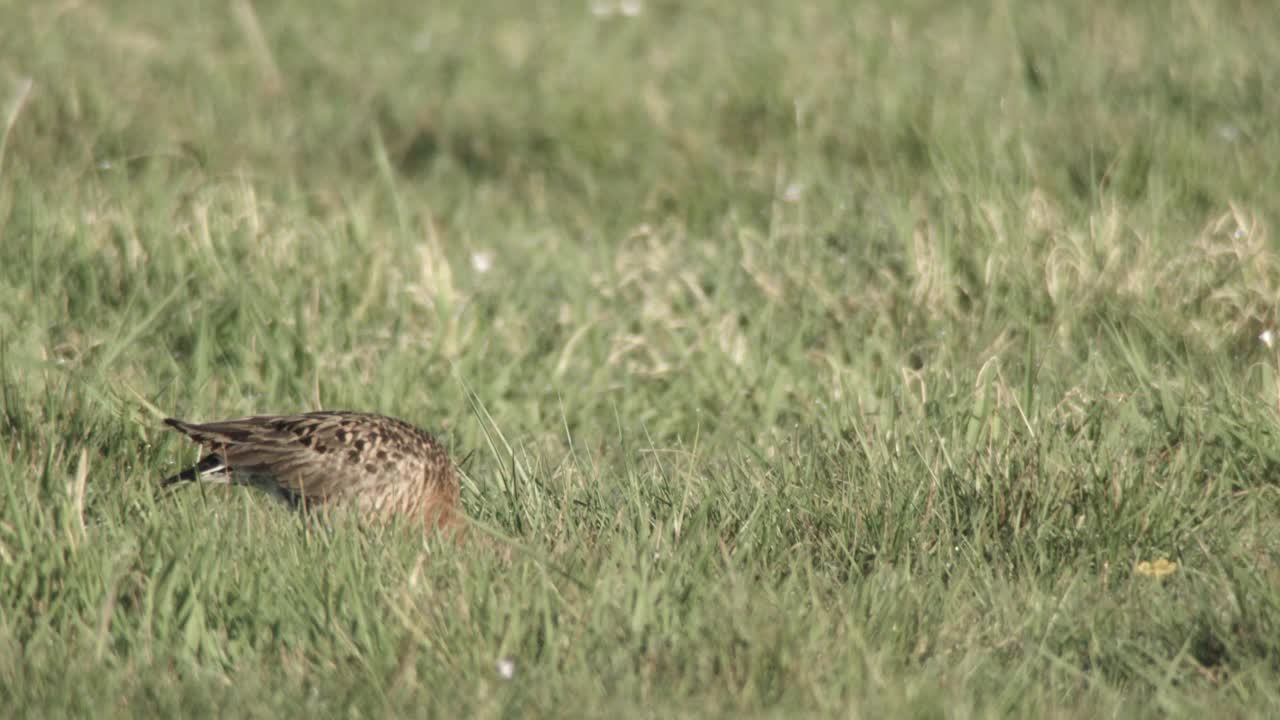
821 360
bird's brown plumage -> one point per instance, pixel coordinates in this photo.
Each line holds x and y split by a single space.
380 465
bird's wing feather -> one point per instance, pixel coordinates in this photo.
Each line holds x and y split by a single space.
304 454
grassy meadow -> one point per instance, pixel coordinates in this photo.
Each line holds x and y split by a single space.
807 359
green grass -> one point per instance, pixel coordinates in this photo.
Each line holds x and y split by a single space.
834 360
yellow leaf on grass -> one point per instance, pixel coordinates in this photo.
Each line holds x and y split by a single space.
1157 568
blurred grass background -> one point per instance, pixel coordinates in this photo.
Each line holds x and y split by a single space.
824 358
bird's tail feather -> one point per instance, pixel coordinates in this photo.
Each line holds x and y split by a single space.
210 468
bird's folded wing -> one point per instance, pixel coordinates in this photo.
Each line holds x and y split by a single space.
302 461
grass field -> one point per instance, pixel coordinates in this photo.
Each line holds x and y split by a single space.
814 359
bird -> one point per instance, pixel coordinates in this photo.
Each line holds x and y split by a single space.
381 466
